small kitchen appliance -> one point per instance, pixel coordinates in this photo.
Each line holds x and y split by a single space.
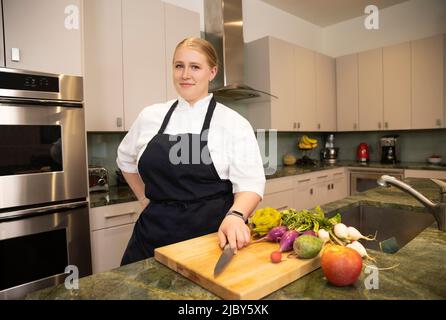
389 149
98 178
329 154
363 154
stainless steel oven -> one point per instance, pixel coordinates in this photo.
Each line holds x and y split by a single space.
44 224
362 179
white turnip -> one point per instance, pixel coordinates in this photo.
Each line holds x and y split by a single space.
354 234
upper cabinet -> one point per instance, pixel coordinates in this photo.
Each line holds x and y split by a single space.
302 79
127 60
305 88
428 82
190 27
43 35
270 68
397 86
144 56
103 83
2 57
325 93
370 90
393 88
347 92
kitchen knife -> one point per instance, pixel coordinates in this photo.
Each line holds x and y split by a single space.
224 260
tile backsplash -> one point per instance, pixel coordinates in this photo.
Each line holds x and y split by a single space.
102 151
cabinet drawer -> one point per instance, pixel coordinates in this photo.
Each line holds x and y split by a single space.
114 215
280 200
278 184
428 174
108 246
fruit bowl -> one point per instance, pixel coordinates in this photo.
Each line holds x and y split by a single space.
434 159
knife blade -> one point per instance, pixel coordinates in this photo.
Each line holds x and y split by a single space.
224 260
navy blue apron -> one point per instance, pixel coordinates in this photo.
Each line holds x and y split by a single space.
187 199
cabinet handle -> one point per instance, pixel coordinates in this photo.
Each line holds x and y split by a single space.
386 125
298 125
438 122
332 186
320 177
109 216
329 186
119 122
311 191
15 54
354 126
305 180
281 208
318 125
379 125
294 125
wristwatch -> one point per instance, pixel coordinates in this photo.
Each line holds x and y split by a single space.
237 214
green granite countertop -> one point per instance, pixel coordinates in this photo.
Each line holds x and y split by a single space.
421 273
121 194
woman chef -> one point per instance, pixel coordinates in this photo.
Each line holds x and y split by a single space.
196 160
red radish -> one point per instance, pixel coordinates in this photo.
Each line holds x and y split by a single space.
310 233
287 240
276 257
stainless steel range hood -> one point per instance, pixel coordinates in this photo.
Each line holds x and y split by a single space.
224 29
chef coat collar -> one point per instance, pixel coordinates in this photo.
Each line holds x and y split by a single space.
183 104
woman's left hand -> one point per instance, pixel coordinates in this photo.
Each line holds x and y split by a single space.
235 231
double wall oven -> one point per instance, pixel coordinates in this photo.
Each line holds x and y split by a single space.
44 220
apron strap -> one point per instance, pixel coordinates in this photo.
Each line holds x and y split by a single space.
167 117
207 119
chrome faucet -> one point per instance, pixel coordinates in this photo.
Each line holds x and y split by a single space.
437 209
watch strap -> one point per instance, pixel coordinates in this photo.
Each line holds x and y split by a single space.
237 214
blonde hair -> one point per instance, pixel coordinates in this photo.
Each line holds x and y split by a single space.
201 45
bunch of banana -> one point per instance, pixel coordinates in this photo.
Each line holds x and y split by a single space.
306 143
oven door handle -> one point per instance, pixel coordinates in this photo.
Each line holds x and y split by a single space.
42 210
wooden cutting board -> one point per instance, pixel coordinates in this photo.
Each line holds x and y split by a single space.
249 275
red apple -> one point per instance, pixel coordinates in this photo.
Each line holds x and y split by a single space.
342 266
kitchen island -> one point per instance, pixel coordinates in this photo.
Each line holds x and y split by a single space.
420 271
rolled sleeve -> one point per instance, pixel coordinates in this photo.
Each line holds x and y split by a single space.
128 149
246 167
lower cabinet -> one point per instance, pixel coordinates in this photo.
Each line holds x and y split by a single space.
428 174
111 228
306 191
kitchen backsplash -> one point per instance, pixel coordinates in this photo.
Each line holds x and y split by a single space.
102 148
415 145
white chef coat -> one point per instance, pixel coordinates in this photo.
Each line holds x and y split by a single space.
232 143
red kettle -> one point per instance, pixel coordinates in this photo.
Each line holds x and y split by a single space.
362 154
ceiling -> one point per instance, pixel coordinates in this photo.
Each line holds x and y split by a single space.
327 12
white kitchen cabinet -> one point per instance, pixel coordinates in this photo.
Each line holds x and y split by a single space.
279 193
190 27
305 88
427 174
338 186
111 228
103 82
144 56
428 84
370 90
126 62
2 56
43 35
270 65
347 92
397 86
325 93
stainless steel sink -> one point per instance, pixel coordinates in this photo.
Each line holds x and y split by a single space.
387 222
